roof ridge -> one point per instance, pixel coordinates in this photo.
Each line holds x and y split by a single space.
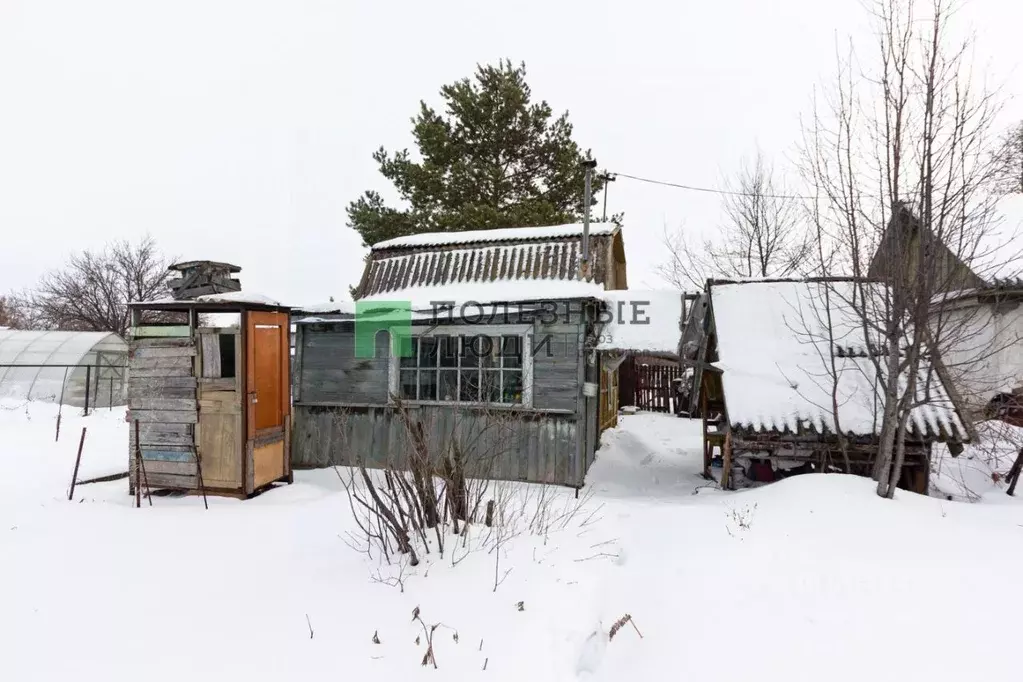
499 234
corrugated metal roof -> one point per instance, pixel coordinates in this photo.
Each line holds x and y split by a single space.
556 259
775 350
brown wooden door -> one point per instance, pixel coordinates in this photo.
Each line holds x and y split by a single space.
268 398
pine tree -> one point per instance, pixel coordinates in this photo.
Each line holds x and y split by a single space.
493 159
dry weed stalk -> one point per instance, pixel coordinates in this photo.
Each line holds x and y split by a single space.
445 479
430 656
620 623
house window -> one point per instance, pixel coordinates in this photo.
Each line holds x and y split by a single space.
473 368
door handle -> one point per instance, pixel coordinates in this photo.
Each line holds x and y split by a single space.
252 397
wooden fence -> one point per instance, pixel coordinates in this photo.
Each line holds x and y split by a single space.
649 387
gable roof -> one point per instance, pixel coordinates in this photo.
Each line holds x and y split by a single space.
403 267
991 255
774 351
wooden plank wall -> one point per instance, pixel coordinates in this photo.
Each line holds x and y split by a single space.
341 412
556 366
162 398
329 372
517 446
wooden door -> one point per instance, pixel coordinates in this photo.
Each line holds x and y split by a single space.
219 434
268 398
608 398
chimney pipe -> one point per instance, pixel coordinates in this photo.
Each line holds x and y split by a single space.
584 265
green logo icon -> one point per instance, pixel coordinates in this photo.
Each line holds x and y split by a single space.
372 317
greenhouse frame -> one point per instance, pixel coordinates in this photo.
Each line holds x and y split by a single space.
74 368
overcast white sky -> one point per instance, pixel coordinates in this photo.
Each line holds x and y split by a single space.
240 129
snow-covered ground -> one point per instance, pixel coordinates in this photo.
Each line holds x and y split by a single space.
811 578
979 472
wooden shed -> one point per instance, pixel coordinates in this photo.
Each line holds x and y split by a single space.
209 394
501 326
783 366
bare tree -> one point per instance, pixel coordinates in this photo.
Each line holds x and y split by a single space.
1008 162
763 235
92 291
12 313
897 155
680 269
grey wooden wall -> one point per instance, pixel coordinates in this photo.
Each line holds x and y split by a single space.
328 371
528 446
342 414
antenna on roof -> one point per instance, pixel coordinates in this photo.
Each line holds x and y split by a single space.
584 265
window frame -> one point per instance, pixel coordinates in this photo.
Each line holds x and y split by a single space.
523 331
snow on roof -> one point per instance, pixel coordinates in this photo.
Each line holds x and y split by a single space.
553 259
502 291
999 251
238 297
227 297
775 353
345 307
642 321
498 235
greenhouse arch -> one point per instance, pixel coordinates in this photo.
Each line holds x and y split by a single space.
58 366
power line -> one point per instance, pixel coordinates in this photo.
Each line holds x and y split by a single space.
710 190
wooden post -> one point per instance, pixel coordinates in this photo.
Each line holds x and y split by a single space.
60 405
145 480
202 486
726 463
138 467
78 461
88 385
1014 473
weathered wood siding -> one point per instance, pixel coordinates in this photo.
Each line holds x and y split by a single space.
162 399
527 446
329 372
557 354
342 415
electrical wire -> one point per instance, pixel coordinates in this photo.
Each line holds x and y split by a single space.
709 190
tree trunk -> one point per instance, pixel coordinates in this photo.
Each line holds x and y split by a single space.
1014 473
889 420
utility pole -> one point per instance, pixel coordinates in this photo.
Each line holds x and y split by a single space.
584 265
606 177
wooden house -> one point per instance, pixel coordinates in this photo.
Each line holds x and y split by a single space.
783 366
483 344
209 390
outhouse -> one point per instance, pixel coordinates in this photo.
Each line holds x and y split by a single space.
209 387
